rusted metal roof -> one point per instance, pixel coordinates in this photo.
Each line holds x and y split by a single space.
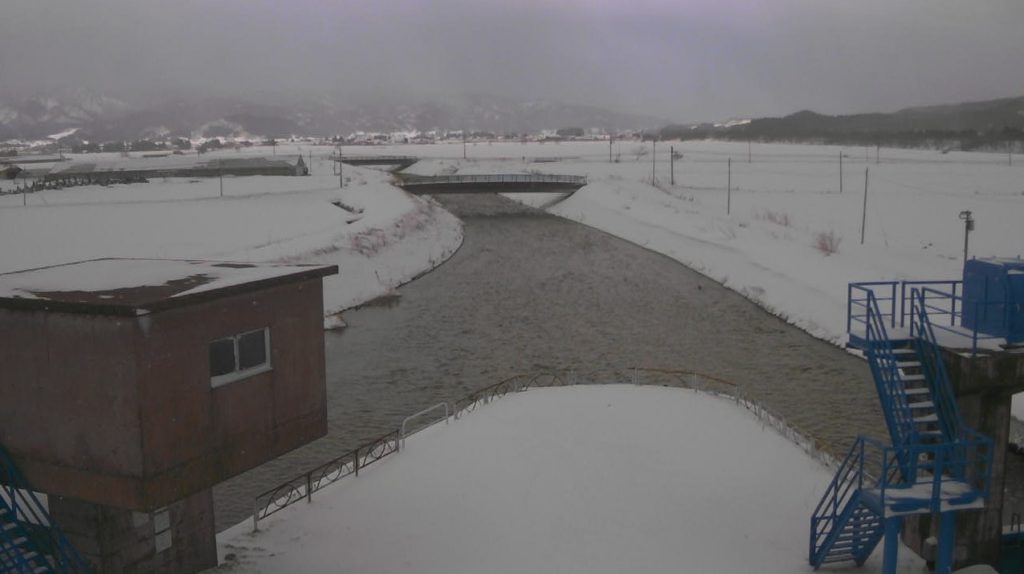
131 287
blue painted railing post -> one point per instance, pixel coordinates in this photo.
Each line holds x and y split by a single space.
944 553
893 525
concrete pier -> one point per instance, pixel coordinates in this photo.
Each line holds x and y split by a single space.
984 386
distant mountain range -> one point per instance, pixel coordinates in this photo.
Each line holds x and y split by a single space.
968 125
102 118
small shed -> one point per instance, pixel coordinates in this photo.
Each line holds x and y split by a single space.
993 300
133 386
9 171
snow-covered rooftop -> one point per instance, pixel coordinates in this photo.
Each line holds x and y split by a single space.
133 286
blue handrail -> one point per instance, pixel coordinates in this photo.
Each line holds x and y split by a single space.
870 465
11 555
885 371
28 510
934 367
943 301
857 302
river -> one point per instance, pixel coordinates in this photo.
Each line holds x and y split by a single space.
530 292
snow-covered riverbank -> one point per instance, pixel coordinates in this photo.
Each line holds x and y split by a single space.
377 235
778 230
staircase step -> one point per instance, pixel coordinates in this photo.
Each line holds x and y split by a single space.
28 556
917 391
913 378
838 558
932 418
860 538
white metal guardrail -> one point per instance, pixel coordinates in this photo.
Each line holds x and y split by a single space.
497 178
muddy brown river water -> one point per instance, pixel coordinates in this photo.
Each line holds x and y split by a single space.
531 292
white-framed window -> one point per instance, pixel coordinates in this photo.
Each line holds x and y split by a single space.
239 356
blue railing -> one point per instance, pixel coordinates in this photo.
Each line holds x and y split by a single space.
968 460
885 370
943 301
932 365
888 471
858 297
29 513
842 496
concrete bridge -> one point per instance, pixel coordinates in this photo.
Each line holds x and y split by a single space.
397 161
499 183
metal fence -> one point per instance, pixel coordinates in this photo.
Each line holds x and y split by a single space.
303 486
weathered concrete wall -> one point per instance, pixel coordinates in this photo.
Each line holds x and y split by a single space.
70 398
179 539
121 412
984 386
195 436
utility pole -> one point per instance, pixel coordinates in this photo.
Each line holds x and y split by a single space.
341 176
749 160
220 175
672 164
864 210
878 147
654 159
840 171
610 140
463 144
728 189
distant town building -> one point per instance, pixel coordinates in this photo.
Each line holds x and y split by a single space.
134 169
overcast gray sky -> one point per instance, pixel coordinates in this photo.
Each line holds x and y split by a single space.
679 59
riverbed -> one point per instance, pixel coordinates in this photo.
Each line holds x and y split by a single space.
531 292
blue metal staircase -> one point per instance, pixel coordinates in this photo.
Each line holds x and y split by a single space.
934 463
30 542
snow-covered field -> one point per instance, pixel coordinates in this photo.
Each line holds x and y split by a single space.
377 235
588 479
595 497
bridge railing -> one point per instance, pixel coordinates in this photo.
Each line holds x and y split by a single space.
373 158
496 178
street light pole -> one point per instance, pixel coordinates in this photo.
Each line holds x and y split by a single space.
968 228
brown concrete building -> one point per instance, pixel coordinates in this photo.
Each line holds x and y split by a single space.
132 386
